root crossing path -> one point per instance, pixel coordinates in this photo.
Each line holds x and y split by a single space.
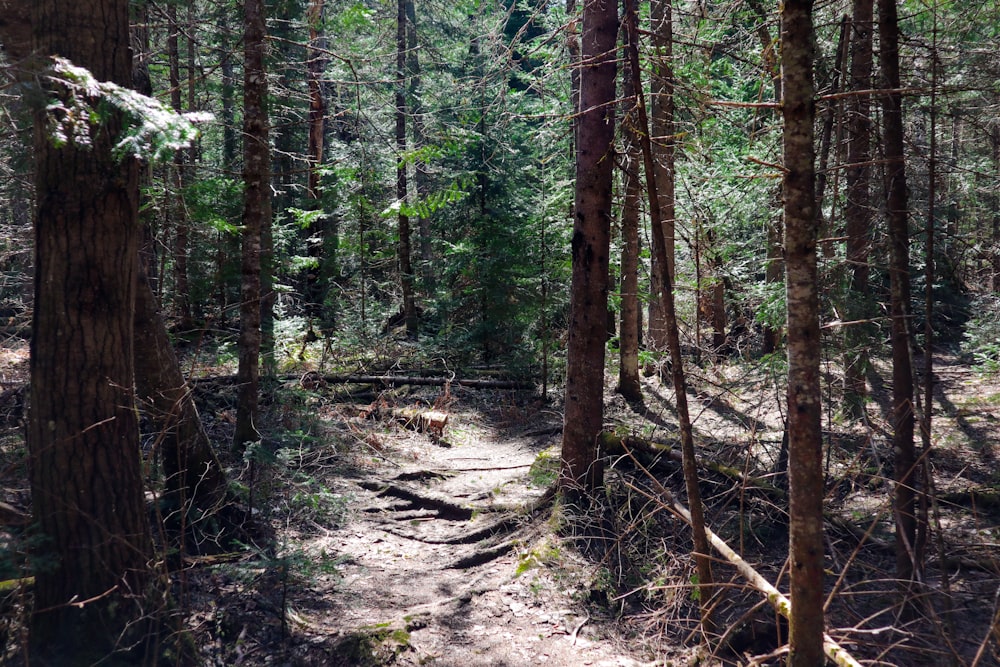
440 559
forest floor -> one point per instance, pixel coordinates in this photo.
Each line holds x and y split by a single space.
376 543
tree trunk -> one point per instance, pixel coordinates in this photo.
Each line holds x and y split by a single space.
584 411
182 302
256 209
805 460
193 476
404 252
94 597
857 210
662 85
699 536
421 177
899 275
628 340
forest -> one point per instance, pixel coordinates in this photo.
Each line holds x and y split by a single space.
499 332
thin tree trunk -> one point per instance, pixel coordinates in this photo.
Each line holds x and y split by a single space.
857 210
582 471
662 85
773 267
899 275
402 195
182 302
701 546
256 208
805 460
421 177
628 370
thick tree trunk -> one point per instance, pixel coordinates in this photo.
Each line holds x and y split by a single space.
899 276
857 209
94 595
256 209
804 410
584 411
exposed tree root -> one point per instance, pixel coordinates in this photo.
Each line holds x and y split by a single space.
445 508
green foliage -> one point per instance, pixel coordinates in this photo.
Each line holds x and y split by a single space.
152 131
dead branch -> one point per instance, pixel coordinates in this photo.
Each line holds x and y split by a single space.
782 604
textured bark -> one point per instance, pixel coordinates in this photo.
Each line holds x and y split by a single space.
628 370
256 209
176 208
805 467
421 177
194 477
581 470
857 208
404 252
316 61
662 85
773 266
702 562
82 428
899 276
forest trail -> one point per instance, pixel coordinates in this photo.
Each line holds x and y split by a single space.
438 558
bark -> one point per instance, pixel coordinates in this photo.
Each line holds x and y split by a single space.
662 85
804 410
857 209
193 476
404 253
82 427
15 28
256 209
322 244
182 304
702 562
581 468
628 371
773 266
899 276
421 177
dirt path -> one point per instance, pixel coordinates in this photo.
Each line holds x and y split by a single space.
436 561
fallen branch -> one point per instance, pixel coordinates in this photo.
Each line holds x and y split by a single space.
782 604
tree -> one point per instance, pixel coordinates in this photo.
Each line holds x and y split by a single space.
628 372
899 288
256 216
94 583
857 208
805 469
663 128
671 330
404 254
595 129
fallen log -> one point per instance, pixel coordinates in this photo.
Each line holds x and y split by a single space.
396 380
387 380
